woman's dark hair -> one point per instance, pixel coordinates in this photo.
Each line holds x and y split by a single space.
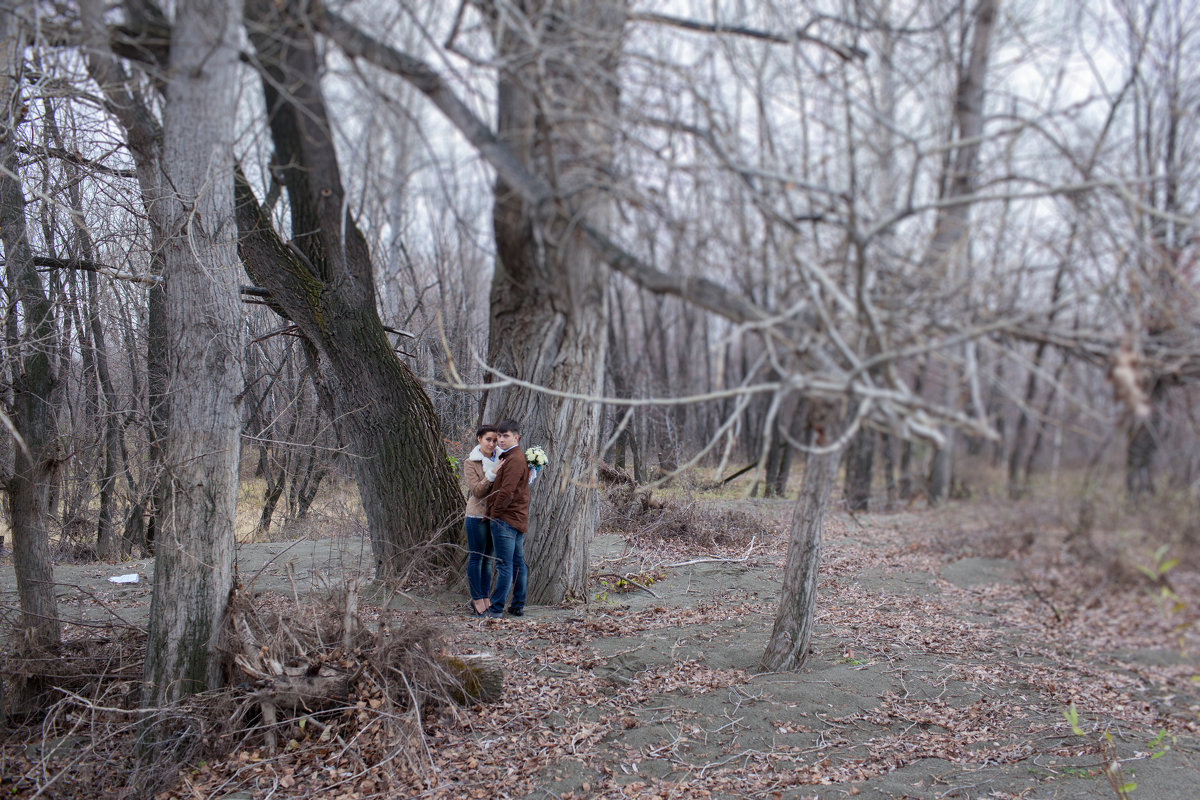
485 429
508 426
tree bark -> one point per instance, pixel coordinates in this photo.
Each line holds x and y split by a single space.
792 632
35 385
323 282
549 304
193 569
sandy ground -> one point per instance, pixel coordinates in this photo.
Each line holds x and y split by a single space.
935 671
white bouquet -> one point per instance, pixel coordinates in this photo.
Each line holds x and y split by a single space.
535 457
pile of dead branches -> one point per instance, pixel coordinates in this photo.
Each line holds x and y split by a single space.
302 673
634 512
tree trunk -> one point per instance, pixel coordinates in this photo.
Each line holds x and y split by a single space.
193 568
323 282
889 471
790 636
1143 445
35 385
948 252
549 303
790 420
860 457
941 469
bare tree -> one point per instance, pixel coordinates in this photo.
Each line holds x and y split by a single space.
143 136
29 350
949 250
193 569
1164 34
558 97
790 636
322 280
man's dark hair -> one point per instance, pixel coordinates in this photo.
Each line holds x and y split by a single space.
508 426
485 429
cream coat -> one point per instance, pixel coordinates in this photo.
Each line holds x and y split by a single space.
477 483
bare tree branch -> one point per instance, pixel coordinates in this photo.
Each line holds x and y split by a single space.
846 52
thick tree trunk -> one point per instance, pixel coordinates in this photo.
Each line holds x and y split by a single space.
323 282
558 86
35 385
792 632
193 568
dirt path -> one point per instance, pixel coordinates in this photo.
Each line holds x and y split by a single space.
939 668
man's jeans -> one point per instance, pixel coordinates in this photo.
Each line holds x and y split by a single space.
479 564
509 546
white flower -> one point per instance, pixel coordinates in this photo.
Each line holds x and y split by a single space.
536 457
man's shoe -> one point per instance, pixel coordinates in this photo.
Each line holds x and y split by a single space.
493 614
516 612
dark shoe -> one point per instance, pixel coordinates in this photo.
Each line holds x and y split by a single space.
516 612
493 614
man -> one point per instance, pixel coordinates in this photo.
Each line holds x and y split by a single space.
508 510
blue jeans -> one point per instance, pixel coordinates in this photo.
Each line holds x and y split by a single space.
479 564
509 544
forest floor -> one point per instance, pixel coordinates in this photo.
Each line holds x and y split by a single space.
949 646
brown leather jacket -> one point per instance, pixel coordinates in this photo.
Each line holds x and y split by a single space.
509 498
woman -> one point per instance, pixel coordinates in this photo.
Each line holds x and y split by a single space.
480 470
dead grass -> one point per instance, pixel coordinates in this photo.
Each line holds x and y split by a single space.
335 511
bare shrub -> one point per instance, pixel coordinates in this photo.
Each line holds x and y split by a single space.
1108 533
995 530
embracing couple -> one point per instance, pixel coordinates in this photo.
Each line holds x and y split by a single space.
497 519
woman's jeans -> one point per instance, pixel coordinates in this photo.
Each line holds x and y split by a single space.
479 564
509 545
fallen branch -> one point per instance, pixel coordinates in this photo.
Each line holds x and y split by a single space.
714 559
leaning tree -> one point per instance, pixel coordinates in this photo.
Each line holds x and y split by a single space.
321 278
